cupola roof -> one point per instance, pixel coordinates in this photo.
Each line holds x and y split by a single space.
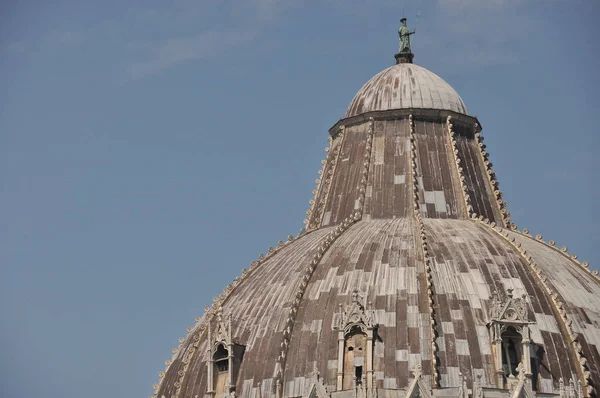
404 86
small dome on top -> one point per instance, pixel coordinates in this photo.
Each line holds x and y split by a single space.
403 86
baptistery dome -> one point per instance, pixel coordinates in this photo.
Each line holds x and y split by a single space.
409 279
405 86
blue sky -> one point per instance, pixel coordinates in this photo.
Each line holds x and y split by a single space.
150 150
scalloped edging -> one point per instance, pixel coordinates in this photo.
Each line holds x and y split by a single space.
200 322
426 257
316 211
457 161
366 166
563 250
584 373
319 182
498 195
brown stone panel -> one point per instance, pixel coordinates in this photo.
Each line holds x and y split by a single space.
400 343
470 325
345 181
450 345
557 355
438 191
477 181
442 308
386 197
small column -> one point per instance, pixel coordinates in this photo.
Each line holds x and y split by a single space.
340 372
231 386
370 359
497 348
210 364
526 356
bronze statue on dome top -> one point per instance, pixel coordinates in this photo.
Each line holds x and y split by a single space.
404 34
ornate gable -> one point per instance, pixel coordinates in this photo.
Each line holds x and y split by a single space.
355 314
511 309
222 328
417 388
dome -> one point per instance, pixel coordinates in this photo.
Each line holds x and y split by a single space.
408 280
403 86
380 260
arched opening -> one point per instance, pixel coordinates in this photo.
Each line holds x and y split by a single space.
221 369
511 351
355 351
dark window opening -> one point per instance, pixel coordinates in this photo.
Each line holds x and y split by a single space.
221 358
222 365
511 351
358 374
350 348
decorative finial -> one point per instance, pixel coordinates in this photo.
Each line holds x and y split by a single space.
355 296
405 54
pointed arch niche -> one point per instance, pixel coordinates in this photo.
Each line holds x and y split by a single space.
224 358
355 345
512 347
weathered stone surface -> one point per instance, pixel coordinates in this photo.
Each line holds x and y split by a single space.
409 221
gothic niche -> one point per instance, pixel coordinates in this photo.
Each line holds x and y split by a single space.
224 358
511 343
355 345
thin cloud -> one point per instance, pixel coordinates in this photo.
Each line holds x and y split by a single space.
245 21
197 30
175 51
476 4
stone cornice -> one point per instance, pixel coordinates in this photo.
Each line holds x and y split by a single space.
431 114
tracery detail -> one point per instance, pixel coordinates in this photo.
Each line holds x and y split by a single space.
356 329
509 329
224 357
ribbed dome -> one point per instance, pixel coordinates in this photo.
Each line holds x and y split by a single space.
405 86
380 259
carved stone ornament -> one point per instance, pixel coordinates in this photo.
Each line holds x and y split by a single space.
511 309
573 390
478 387
520 386
318 390
417 388
222 328
355 314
